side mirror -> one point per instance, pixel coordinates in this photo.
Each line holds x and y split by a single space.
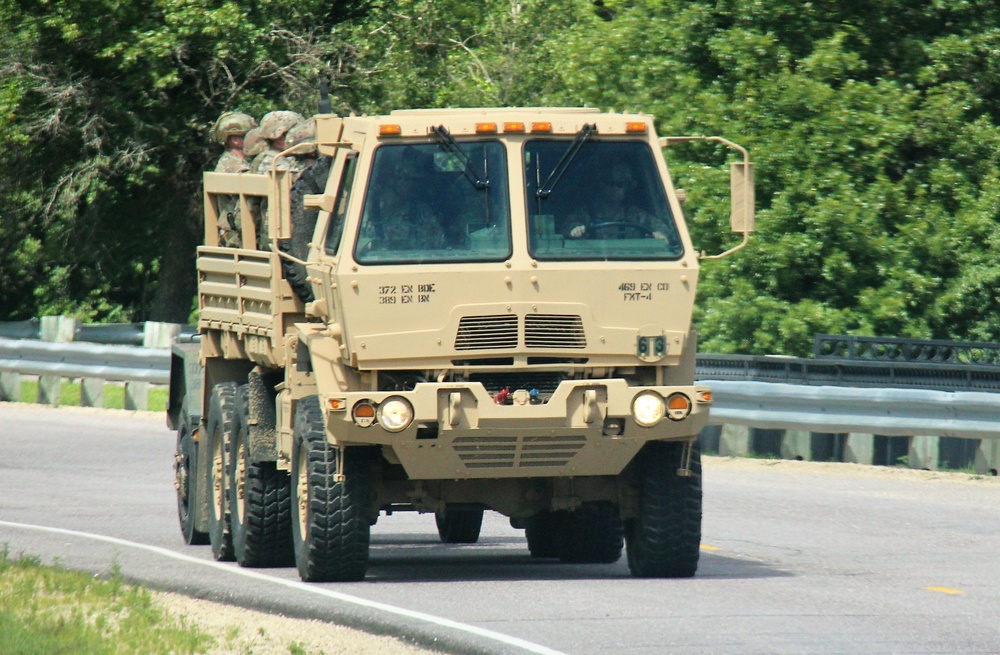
741 217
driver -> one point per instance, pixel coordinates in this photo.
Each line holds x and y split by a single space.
608 207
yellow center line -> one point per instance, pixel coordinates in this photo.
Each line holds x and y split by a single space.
946 590
707 547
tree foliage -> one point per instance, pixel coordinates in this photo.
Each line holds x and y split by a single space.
873 127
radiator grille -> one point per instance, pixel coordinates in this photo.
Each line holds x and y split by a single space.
487 333
517 452
554 331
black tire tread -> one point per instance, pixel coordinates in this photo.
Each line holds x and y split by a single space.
187 510
459 526
264 539
664 540
594 535
223 417
335 548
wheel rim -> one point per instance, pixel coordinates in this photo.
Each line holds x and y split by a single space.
241 470
218 476
302 491
183 474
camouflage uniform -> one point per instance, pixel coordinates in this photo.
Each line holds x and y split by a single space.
273 128
231 161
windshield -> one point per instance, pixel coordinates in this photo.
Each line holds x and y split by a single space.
421 205
610 203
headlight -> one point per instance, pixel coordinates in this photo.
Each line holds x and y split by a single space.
395 414
648 409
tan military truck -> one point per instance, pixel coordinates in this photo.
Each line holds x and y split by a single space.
455 311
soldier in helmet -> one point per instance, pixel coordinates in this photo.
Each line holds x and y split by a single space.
274 128
229 131
253 144
302 137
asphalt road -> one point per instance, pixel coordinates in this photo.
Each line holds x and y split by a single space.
797 557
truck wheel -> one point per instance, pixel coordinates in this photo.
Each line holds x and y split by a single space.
459 526
546 534
331 520
260 509
222 430
311 181
594 535
186 481
664 539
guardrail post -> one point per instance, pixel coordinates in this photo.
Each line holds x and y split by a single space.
797 444
91 392
10 387
155 335
860 448
923 453
988 457
58 329
734 441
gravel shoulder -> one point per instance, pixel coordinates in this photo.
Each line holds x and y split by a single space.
240 631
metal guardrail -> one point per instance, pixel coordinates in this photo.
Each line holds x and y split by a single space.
891 349
80 360
849 372
828 409
120 334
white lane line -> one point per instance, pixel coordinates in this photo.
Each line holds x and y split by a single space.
300 586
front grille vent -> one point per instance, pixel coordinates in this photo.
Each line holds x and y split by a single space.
517 452
487 332
554 331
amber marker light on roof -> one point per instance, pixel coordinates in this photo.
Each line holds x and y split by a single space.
513 127
635 127
390 129
543 126
486 128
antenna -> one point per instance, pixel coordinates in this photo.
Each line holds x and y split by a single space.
324 97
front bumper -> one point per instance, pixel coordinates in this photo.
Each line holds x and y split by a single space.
458 431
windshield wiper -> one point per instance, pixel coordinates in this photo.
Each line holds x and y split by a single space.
552 180
449 145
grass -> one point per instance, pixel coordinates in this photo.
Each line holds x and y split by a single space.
114 395
46 610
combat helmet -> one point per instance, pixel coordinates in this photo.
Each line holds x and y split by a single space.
231 123
276 123
304 132
253 143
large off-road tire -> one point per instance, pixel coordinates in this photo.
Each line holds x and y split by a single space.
331 520
663 541
459 526
260 509
311 181
593 535
222 428
546 534
186 481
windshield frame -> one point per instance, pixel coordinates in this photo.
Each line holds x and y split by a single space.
366 249
549 234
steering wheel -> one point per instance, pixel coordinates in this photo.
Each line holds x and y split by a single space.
619 227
